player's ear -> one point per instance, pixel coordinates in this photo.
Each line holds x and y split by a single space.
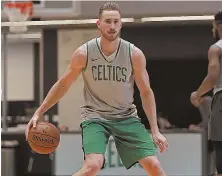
98 23
220 27
121 24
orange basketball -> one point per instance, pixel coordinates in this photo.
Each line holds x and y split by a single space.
44 139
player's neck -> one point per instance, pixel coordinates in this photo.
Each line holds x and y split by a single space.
108 47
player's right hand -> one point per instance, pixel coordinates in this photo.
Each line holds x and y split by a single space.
32 123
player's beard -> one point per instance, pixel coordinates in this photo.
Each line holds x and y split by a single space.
109 37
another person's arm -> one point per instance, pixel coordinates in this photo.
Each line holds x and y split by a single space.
208 83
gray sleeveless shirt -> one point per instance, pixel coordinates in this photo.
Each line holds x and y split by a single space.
108 82
218 86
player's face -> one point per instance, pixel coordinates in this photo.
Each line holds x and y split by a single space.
215 31
110 24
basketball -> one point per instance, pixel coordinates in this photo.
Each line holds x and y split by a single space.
44 139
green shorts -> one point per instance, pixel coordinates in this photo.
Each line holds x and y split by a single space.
132 140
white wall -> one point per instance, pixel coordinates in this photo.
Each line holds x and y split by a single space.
20 71
183 158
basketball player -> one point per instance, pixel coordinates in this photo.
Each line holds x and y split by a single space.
109 66
213 81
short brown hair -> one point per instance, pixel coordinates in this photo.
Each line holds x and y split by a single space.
218 17
108 6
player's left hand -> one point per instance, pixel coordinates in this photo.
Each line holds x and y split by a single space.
160 141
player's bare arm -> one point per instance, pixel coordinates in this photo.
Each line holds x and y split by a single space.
213 71
212 75
147 96
142 81
58 90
